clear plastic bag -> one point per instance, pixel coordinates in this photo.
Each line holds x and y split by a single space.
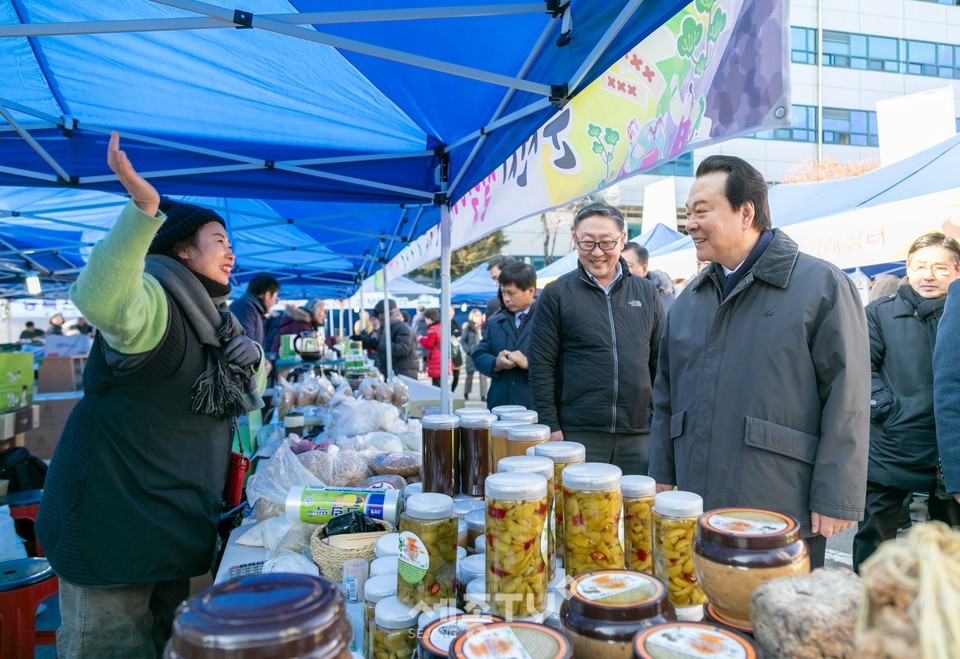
384 442
307 390
400 392
337 468
325 391
286 398
274 478
288 561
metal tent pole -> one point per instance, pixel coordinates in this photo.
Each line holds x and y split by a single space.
386 325
341 320
446 401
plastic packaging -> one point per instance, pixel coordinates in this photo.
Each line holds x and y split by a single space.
498 439
337 468
475 452
355 572
638 493
318 505
562 454
395 629
428 550
273 480
441 451
397 463
591 517
675 516
520 438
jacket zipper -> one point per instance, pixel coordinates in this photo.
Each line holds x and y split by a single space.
616 357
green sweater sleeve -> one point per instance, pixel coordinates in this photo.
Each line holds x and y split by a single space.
128 306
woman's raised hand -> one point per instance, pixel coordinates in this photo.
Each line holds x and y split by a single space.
144 195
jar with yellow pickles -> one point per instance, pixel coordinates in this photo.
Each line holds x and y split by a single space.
543 467
498 439
675 516
395 630
376 588
520 438
516 574
562 454
428 551
592 505
638 493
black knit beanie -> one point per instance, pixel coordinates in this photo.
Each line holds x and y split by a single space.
183 220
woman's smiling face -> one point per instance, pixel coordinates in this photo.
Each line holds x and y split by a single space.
211 254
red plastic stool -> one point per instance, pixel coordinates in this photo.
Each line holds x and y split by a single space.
24 583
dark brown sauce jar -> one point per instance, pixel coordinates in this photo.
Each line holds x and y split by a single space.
475 452
441 454
268 616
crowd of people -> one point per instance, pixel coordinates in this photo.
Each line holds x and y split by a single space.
58 326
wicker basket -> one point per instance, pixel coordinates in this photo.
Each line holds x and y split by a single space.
330 559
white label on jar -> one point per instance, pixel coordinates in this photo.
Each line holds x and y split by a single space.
675 642
502 643
413 559
748 523
611 586
443 635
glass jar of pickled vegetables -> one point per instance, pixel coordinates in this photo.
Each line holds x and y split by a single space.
692 639
462 534
530 416
472 567
500 409
543 467
441 454
562 454
436 638
428 551
475 452
606 608
675 516
516 516
476 522
395 630
638 493
592 506
498 439
520 438
375 589
511 639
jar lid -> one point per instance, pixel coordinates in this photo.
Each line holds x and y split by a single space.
380 587
515 486
526 463
429 505
500 409
524 415
591 477
512 639
748 528
385 564
437 613
473 421
440 634
480 544
464 411
463 506
472 567
687 639
678 503
499 428
477 587
476 519
387 545
638 486
411 489
528 433
283 613
440 422
562 452
461 528
461 553
618 596
391 613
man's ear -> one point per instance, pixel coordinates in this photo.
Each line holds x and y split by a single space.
747 213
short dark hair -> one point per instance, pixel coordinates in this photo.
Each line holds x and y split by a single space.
643 256
744 183
520 274
432 314
30 324
262 284
500 261
599 209
935 240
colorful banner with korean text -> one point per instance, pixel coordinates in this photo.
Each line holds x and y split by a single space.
716 70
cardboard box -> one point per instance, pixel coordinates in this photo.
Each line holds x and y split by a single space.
54 410
60 374
16 381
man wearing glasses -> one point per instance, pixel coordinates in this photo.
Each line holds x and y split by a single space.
594 347
763 385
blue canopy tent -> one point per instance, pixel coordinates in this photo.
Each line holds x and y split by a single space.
475 287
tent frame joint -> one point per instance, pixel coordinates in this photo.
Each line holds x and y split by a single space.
67 126
72 182
242 20
556 8
559 94
441 199
269 164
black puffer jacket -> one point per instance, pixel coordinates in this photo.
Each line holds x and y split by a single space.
903 439
593 356
403 349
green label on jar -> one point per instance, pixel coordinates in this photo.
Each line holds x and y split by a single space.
414 558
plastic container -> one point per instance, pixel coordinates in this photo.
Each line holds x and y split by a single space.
480 545
428 550
441 454
563 454
475 597
464 411
461 534
543 467
395 630
462 506
355 573
516 516
675 516
475 452
315 504
638 493
737 549
436 638
606 609
385 565
592 505
472 567
520 438
387 545
410 490
476 524
377 588
512 639
293 424
678 640
296 616
500 409
498 439
530 416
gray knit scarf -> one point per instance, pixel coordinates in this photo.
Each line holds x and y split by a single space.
224 390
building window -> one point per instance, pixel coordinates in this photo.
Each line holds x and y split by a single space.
925 58
803 126
803 45
861 51
682 166
853 127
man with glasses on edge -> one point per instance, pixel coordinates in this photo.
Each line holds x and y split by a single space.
594 347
